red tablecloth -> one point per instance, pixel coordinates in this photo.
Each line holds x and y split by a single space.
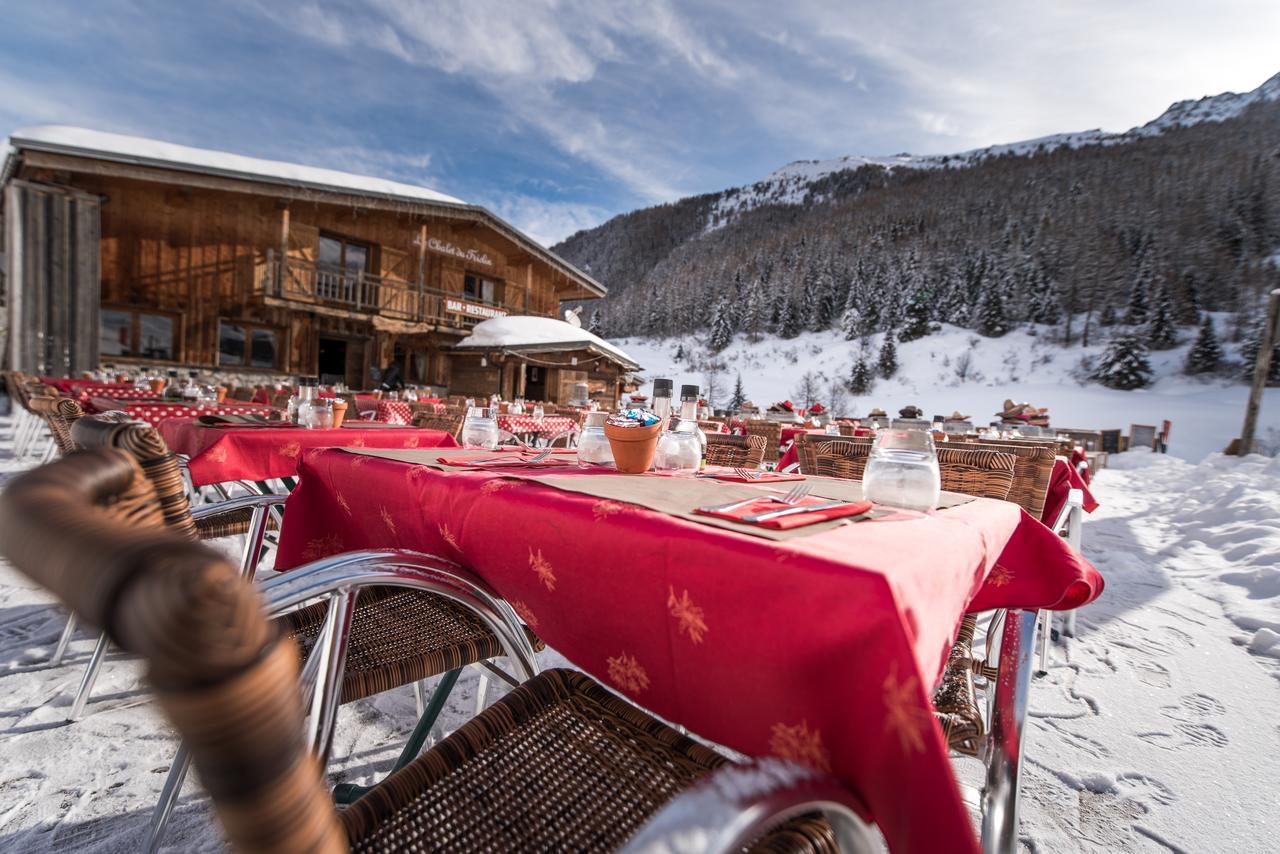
154 412
1063 479
1079 456
789 453
393 412
220 454
547 425
821 649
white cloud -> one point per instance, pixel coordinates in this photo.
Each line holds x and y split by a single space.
547 222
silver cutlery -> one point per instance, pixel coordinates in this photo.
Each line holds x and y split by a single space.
795 495
809 508
517 461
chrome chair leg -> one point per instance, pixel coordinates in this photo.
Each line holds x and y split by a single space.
68 631
331 665
90 676
420 696
1002 747
1046 629
168 799
482 689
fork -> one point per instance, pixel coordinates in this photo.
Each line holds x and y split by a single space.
536 458
795 495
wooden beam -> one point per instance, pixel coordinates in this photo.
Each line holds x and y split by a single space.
1260 371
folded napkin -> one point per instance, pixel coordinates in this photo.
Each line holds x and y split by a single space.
492 460
794 520
233 420
728 475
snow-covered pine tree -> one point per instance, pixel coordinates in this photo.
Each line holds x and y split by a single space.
992 321
739 397
1137 312
1188 307
752 311
790 323
1162 333
1249 352
826 308
1205 355
861 378
1108 316
1124 365
679 356
916 316
887 366
851 322
721 326
594 325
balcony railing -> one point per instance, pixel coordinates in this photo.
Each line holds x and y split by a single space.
302 281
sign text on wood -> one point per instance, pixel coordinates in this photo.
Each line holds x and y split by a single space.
435 244
457 306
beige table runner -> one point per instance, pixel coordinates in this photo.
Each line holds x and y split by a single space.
672 495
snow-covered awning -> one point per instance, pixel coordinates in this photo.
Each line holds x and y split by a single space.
524 334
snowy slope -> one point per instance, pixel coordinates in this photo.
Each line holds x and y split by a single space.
792 184
1206 415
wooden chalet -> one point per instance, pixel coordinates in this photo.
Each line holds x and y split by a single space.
128 251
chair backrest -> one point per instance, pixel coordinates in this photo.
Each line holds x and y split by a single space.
449 422
144 444
844 458
772 433
280 399
735 451
241 392
986 474
848 430
59 413
1032 470
223 676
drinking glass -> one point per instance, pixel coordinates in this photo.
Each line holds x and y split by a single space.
902 470
538 411
480 429
593 445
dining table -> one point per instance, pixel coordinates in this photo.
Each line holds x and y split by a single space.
819 644
154 412
219 453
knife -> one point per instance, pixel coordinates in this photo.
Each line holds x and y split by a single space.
809 508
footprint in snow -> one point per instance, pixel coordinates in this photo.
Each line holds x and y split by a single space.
1153 673
1193 708
1187 735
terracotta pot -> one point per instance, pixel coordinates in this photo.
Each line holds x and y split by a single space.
157 386
633 447
339 411
122 378
221 392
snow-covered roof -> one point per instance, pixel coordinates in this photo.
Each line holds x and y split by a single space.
152 152
525 334
121 148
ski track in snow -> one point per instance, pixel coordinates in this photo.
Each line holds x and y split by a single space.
1152 730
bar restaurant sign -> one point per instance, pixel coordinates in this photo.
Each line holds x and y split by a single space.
471 256
471 309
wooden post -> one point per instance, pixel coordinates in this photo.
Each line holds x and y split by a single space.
1260 371
284 250
422 272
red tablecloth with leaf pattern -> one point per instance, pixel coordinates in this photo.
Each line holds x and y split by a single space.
821 649
220 454
1063 479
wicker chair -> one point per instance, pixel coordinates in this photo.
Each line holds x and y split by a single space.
558 764
772 433
242 393
449 422
974 471
745 452
1032 470
843 458
59 413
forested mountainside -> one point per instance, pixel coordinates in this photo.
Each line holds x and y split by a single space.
1178 216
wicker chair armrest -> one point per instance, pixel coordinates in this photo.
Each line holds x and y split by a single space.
739 803
240 502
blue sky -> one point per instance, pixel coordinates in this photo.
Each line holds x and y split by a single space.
560 113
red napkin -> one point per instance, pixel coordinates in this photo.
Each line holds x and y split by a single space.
727 474
521 460
795 520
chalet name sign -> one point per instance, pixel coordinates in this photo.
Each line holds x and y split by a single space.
435 244
457 306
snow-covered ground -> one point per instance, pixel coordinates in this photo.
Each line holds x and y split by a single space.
1153 730
1206 414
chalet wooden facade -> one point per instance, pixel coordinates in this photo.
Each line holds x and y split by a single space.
165 255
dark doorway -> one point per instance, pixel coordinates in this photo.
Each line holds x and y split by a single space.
332 364
535 383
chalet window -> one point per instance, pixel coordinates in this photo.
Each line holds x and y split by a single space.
340 262
479 289
140 334
244 345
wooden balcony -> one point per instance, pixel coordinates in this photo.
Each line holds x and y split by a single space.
307 284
